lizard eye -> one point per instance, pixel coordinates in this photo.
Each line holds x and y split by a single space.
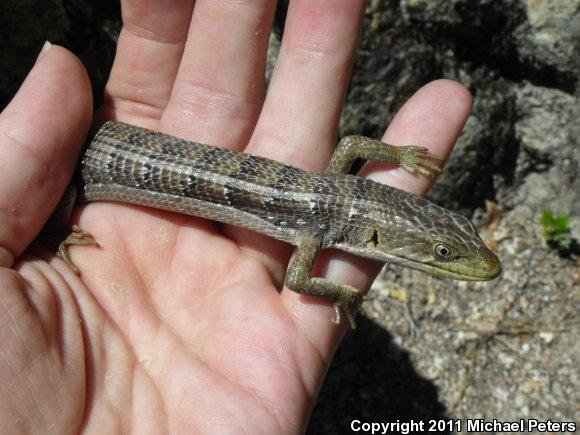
443 252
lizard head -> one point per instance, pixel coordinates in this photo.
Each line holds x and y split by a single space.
416 233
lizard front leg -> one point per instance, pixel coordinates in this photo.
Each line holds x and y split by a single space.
345 298
411 158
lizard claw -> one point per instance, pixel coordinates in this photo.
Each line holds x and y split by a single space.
80 237
349 304
416 159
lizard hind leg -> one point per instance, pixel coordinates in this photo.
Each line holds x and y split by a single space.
78 237
56 233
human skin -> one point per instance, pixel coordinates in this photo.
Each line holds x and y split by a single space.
176 323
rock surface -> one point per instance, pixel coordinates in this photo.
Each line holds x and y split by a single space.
429 348
87 28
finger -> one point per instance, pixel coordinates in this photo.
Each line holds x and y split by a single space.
149 52
220 85
300 116
41 133
432 117
299 120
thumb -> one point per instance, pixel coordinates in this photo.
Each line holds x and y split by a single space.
42 131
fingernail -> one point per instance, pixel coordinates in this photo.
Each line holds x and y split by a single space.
47 46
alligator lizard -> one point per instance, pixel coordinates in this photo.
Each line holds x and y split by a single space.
313 211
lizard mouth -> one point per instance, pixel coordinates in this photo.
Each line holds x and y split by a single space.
479 269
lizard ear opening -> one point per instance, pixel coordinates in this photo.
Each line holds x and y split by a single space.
375 238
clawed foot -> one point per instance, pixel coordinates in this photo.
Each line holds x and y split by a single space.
349 304
416 159
77 237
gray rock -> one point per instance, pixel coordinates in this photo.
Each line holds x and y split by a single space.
87 28
549 38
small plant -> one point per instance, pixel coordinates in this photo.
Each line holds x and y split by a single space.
557 229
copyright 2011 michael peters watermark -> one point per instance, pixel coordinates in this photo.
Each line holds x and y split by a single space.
462 425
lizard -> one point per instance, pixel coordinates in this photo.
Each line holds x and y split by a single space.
314 211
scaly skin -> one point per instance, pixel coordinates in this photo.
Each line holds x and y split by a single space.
312 211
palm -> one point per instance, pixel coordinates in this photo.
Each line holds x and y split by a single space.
196 322
177 323
197 315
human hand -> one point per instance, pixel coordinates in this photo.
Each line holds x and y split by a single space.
176 323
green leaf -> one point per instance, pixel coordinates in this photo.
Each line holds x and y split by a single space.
556 229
